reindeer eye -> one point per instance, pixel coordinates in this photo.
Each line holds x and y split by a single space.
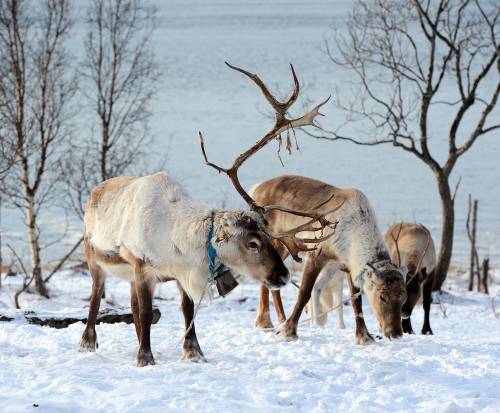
383 298
252 245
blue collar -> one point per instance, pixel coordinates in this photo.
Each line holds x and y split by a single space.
214 271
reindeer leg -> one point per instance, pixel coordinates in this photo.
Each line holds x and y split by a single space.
362 334
263 320
427 300
191 349
278 306
88 341
312 268
144 290
406 311
134 304
315 304
339 303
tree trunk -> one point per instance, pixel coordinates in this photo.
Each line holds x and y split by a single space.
448 223
485 268
471 230
103 167
34 246
1 257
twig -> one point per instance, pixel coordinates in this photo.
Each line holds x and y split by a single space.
456 189
25 284
63 260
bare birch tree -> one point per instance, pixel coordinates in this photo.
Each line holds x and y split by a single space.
119 78
35 93
409 57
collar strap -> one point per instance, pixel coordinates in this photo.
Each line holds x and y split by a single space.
215 271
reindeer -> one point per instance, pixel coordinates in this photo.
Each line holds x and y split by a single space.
356 246
326 295
412 245
148 230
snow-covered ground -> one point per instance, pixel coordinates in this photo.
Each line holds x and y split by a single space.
456 370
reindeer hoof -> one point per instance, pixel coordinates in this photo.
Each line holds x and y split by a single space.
364 339
287 334
427 332
88 343
264 324
193 355
145 358
407 328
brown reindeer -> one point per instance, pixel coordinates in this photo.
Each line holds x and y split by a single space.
356 246
412 245
147 230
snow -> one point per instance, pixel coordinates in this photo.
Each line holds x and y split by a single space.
456 370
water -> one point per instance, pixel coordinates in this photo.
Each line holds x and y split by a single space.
198 92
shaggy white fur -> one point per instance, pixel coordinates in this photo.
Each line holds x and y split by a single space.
155 219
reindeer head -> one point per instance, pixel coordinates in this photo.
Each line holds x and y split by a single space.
385 287
243 246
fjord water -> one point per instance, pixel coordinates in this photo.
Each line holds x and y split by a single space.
198 92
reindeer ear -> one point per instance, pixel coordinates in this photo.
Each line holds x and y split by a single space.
248 223
231 224
404 272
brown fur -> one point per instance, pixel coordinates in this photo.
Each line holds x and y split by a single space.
109 187
305 194
415 244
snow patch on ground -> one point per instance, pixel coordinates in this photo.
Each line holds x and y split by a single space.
456 370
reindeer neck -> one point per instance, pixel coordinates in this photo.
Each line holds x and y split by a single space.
370 251
192 228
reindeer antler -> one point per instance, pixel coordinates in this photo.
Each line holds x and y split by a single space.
281 124
421 259
395 239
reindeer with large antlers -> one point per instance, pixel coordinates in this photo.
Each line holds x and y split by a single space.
357 247
412 245
147 230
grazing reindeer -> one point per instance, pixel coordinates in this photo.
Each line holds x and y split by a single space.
147 230
327 295
412 245
356 246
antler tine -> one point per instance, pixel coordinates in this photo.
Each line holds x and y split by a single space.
232 173
202 144
396 243
421 259
309 117
295 245
277 105
296 89
316 216
308 226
